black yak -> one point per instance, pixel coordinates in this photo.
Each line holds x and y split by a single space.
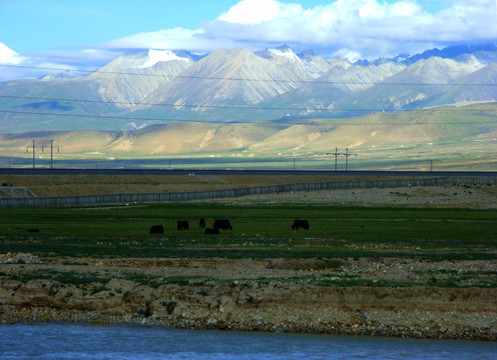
183 225
157 229
222 224
302 223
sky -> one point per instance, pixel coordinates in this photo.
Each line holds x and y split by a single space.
87 34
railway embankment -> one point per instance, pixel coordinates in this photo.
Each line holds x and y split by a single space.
224 193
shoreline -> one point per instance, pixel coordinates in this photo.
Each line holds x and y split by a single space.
16 315
431 313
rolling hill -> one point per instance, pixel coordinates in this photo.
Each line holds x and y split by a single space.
466 135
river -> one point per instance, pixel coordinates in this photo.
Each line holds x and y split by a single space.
85 341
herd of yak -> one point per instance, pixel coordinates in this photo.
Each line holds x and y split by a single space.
223 224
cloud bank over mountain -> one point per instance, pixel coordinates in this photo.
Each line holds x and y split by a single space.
357 29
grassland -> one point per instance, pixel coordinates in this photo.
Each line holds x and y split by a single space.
259 232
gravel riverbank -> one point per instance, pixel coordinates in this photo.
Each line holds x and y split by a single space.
249 295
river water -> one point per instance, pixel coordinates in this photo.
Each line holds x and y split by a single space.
84 341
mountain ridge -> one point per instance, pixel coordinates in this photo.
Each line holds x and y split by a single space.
143 88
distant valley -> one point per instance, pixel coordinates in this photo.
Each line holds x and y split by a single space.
412 140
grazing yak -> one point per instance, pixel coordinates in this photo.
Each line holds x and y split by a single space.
222 224
157 229
183 225
211 231
202 223
300 223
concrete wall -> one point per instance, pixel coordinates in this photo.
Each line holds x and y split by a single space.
233 193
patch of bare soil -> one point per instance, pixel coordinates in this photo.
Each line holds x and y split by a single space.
453 196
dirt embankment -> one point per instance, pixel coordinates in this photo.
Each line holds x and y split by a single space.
268 295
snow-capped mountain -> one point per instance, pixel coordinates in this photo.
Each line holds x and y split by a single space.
155 86
235 77
475 87
129 79
412 85
484 53
326 92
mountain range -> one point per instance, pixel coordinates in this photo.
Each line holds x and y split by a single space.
144 88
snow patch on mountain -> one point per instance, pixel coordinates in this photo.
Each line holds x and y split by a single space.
471 64
287 53
63 75
156 56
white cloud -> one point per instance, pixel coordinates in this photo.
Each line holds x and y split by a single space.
368 28
252 12
405 8
162 39
36 65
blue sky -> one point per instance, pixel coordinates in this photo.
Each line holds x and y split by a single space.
92 32
43 25
34 25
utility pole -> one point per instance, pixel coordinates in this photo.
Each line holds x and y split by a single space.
347 159
346 153
336 157
33 147
51 152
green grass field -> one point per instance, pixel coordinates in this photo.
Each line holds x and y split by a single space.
259 231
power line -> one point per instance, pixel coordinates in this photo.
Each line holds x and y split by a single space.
93 116
246 107
199 121
250 79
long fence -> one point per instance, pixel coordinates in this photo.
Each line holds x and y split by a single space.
88 200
